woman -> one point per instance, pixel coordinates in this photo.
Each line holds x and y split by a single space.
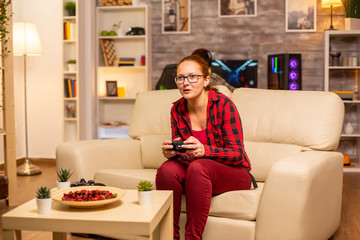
215 160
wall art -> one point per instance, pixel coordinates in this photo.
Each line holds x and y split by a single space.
300 16
176 16
237 8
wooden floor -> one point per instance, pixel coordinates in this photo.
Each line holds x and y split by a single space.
350 216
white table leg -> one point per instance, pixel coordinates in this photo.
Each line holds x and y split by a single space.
167 225
59 236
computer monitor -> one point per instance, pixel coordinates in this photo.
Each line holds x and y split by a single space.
238 73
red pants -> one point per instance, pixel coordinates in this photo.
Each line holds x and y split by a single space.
199 180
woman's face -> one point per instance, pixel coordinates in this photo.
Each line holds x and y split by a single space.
191 90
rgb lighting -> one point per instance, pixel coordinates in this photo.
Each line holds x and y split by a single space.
293 63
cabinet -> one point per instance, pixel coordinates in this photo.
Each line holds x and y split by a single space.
71 76
125 70
342 55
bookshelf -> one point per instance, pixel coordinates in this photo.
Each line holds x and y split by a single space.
342 52
71 76
131 70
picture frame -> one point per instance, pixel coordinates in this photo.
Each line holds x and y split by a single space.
237 8
300 16
176 16
111 89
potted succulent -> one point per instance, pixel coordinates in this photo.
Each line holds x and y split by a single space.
352 14
63 178
43 200
118 29
145 192
70 7
71 65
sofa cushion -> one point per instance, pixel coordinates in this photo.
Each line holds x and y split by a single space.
151 153
151 114
234 204
262 156
305 118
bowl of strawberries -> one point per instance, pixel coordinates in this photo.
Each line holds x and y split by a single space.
88 196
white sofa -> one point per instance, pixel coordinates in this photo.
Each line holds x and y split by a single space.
290 138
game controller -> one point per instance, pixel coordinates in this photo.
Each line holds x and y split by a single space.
82 182
177 146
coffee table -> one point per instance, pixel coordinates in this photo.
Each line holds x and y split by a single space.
123 217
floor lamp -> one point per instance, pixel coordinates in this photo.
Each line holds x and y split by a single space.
26 42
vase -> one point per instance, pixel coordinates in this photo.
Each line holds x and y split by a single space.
43 205
62 185
349 128
352 23
120 32
71 113
145 197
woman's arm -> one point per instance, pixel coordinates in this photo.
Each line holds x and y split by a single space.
231 151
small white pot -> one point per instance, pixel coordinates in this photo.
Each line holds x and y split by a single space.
120 32
62 185
72 67
145 197
43 205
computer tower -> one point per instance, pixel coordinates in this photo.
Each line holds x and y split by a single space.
284 71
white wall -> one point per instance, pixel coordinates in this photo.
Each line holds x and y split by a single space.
44 82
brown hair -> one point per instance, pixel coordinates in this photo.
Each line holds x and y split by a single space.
203 66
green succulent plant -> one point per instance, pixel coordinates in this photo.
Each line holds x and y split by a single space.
72 61
64 174
352 8
145 186
70 6
43 192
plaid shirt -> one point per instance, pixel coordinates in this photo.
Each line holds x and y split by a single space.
223 130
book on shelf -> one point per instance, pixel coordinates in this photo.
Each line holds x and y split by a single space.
70 88
69 31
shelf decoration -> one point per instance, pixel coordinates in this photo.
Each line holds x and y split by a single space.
126 61
70 88
352 14
107 47
121 91
111 89
114 2
70 107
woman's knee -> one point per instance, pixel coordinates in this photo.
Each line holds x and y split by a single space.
169 172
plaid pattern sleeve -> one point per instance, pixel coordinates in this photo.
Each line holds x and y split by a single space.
225 135
178 133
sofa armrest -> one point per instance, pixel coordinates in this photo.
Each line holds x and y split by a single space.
301 198
84 158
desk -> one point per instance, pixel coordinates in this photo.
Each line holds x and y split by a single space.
123 217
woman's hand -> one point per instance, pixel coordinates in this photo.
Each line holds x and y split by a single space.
194 147
167 148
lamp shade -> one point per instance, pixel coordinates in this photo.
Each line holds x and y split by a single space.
330 3
26 40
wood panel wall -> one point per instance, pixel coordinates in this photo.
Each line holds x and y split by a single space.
244 37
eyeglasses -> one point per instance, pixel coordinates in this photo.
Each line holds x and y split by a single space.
192 78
